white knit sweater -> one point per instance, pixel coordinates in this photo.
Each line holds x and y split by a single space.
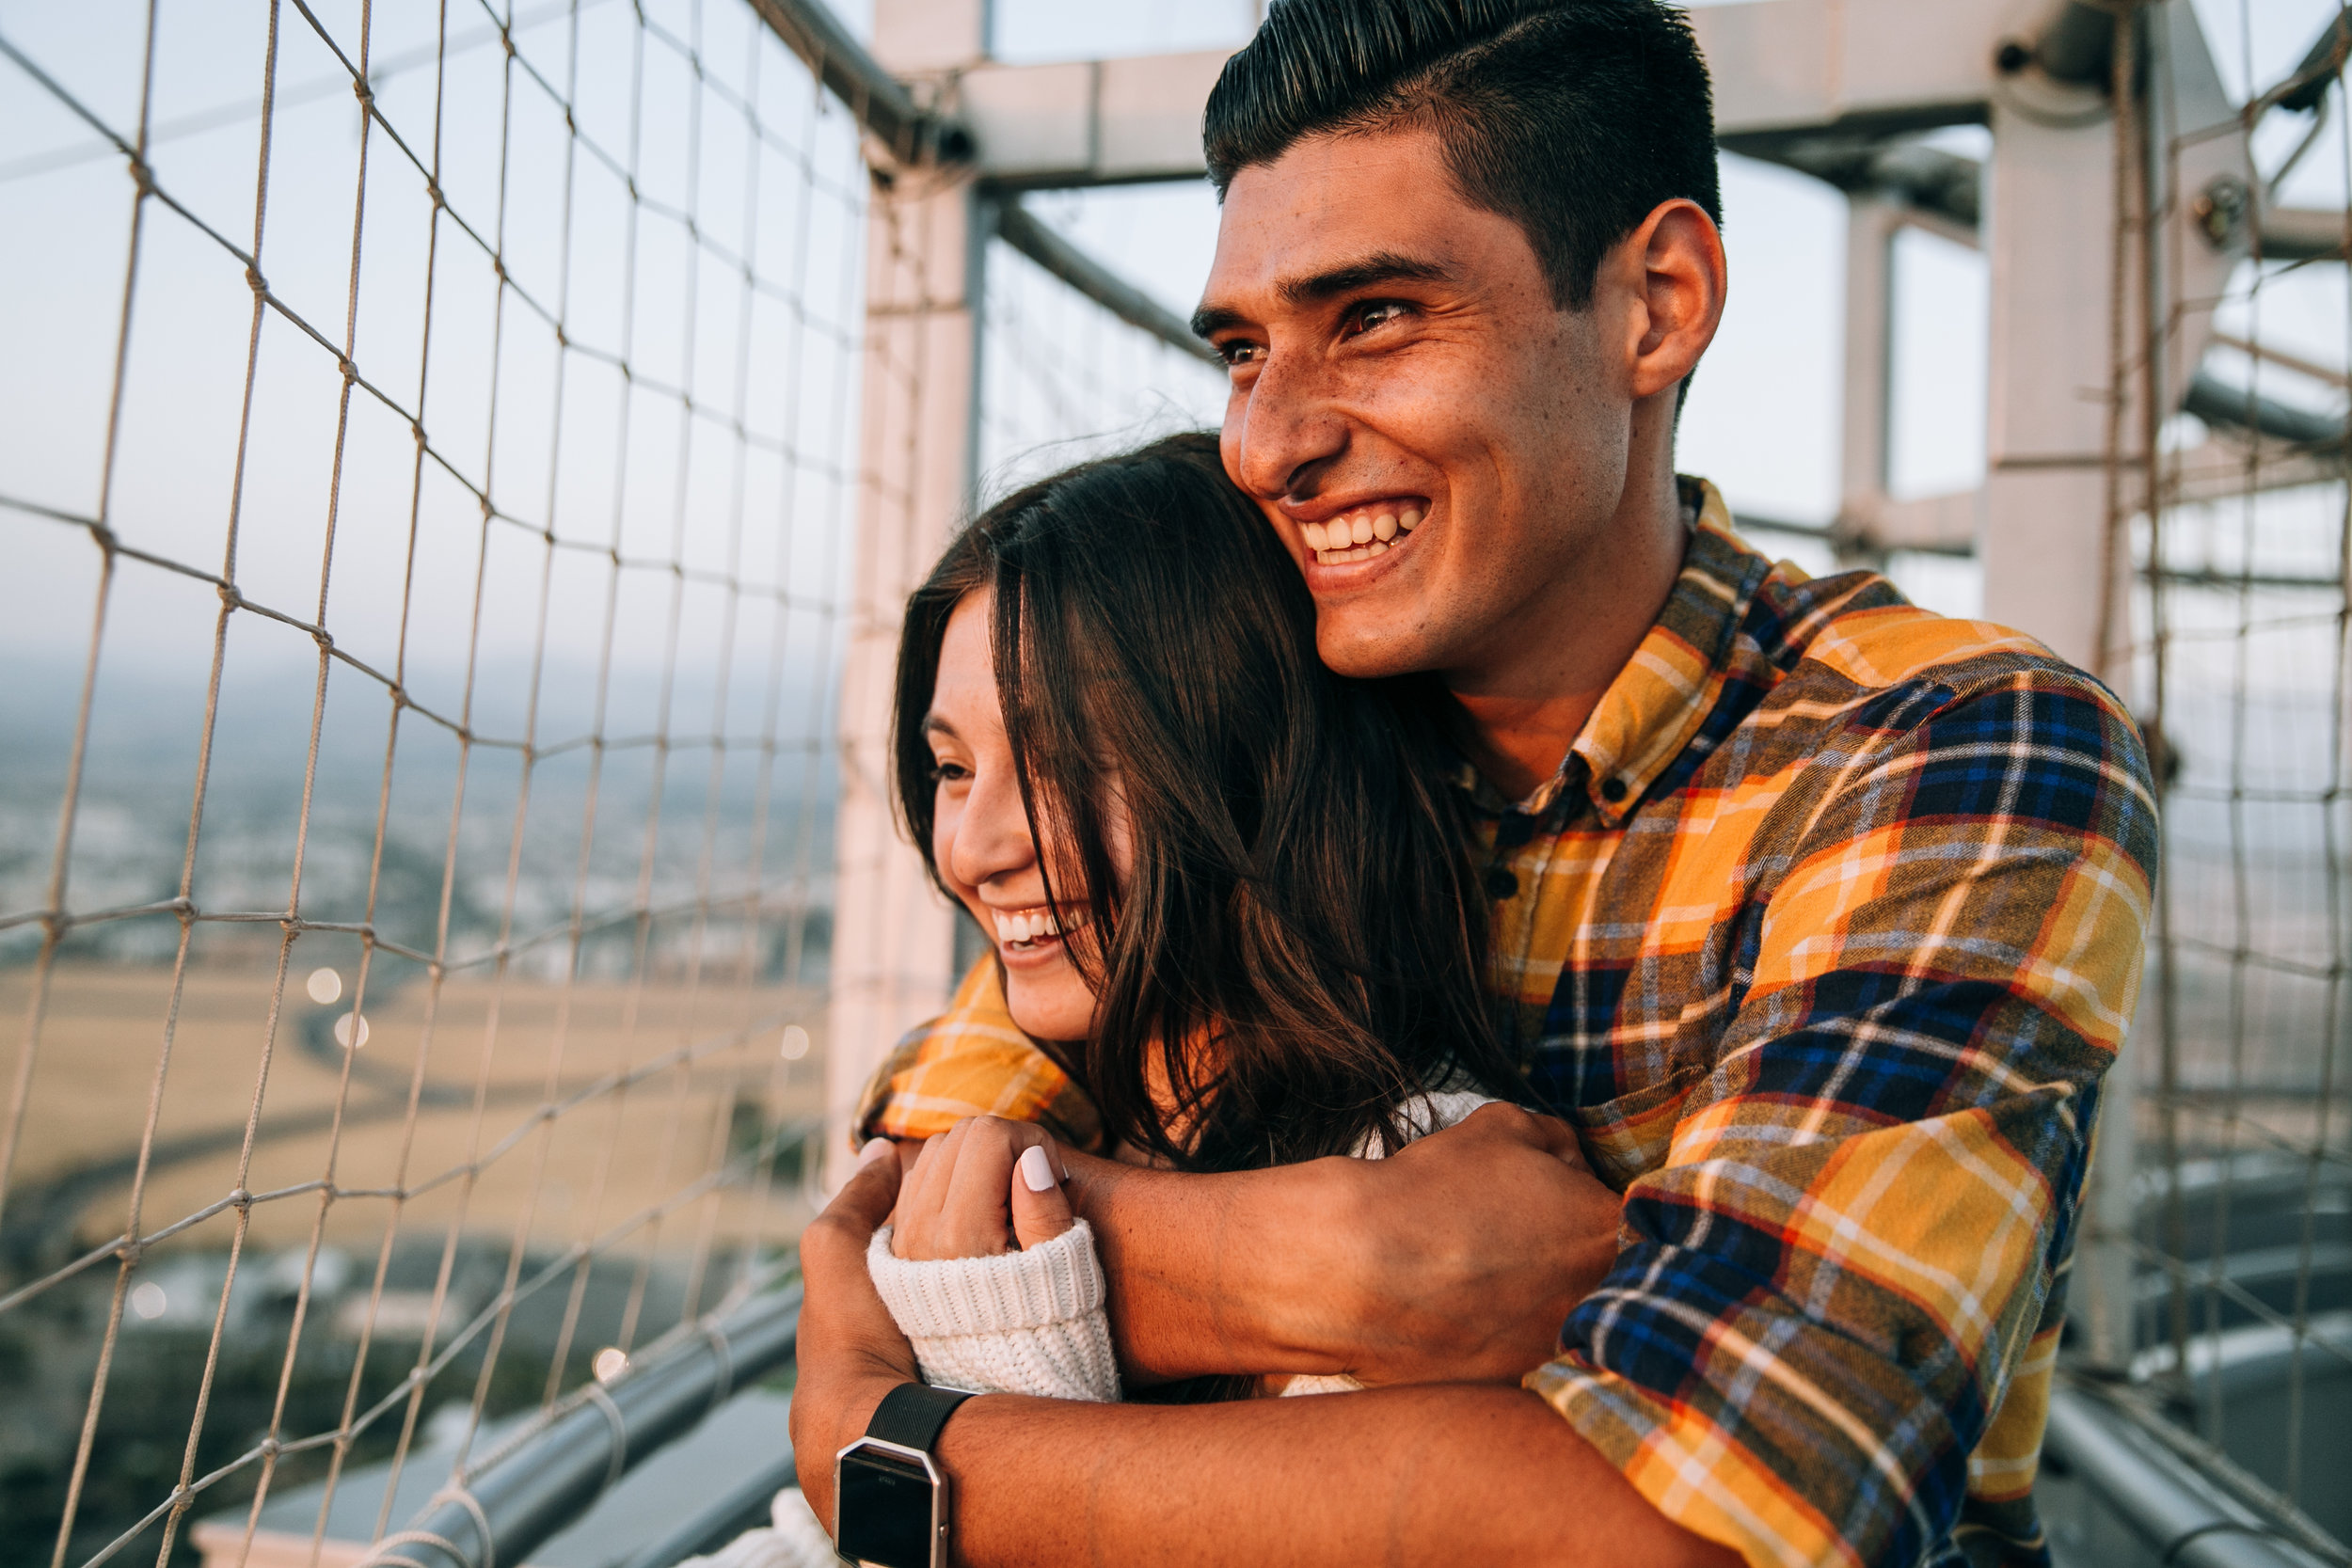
1022 1323
1034 1321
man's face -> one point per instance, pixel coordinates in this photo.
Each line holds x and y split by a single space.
1397 355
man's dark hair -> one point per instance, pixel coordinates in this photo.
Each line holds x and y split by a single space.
1574 118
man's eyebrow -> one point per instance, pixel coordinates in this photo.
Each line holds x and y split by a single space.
1381 266
1210 320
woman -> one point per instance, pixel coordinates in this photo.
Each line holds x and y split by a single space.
1252 936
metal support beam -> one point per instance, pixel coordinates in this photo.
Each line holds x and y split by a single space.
2173 1507
1091 277
893 933
541 1484
1090 122
907 134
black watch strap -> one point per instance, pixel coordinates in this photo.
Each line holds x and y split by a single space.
912 1414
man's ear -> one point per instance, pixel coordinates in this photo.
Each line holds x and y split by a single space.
1682 279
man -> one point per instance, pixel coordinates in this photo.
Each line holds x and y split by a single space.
1817 916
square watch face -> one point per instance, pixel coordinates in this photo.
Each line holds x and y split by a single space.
885 1509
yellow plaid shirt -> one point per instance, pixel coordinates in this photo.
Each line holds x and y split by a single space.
1823 936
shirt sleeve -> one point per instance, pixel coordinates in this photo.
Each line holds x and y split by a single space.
1827 1286
974 1061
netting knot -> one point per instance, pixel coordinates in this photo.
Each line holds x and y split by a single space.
351 372
130 1251
433 189
268 1447
239 1199
360 90
253 280
142 176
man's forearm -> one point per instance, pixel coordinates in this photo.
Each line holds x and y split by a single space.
1429 1474
1203 1271
1456 1259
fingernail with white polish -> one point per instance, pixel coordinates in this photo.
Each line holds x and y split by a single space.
872 1151
1035 1169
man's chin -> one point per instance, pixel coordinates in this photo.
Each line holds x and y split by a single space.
1371 646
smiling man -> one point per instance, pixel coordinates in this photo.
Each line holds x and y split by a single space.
1818 917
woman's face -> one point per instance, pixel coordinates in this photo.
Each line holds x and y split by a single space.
981 843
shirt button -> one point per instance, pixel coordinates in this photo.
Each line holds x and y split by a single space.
1501 881
1612 790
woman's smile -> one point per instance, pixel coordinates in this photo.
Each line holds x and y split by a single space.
1032 937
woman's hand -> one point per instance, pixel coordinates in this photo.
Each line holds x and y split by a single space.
985 1186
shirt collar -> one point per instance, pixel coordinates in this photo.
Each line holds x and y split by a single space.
1659 701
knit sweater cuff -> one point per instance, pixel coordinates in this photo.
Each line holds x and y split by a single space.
1024 1323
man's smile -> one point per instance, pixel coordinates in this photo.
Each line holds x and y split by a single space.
1363 531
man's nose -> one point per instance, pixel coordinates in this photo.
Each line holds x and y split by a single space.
1290 429
991 837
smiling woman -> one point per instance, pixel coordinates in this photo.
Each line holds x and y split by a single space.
1117 750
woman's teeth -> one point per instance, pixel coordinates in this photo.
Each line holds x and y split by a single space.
1024 927
1360 535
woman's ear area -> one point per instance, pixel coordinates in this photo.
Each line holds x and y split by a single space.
1675 280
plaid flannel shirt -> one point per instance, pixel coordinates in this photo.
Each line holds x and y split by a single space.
1823 936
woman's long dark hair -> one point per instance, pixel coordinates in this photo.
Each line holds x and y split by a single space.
1301 896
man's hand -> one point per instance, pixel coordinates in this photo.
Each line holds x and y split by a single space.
1469 1249
1455 1260
850 1353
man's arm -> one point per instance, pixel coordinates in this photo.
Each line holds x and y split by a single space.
1408 1475
1454 1261
1413 1269
1829 1287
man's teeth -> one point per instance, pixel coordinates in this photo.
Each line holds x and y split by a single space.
1029 925
1360 535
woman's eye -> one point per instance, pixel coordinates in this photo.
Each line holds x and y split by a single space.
945 771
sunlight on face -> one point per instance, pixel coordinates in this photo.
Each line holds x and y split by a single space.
981 842
1435 441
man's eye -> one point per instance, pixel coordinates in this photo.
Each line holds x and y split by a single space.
1240 351
1375 312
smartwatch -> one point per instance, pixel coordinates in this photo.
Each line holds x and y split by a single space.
889 1497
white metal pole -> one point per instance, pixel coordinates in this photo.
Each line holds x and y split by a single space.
894 934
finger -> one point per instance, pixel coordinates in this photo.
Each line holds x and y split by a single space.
916 1220
1041 1209
978 1219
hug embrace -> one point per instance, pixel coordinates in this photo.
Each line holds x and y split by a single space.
1618 1021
